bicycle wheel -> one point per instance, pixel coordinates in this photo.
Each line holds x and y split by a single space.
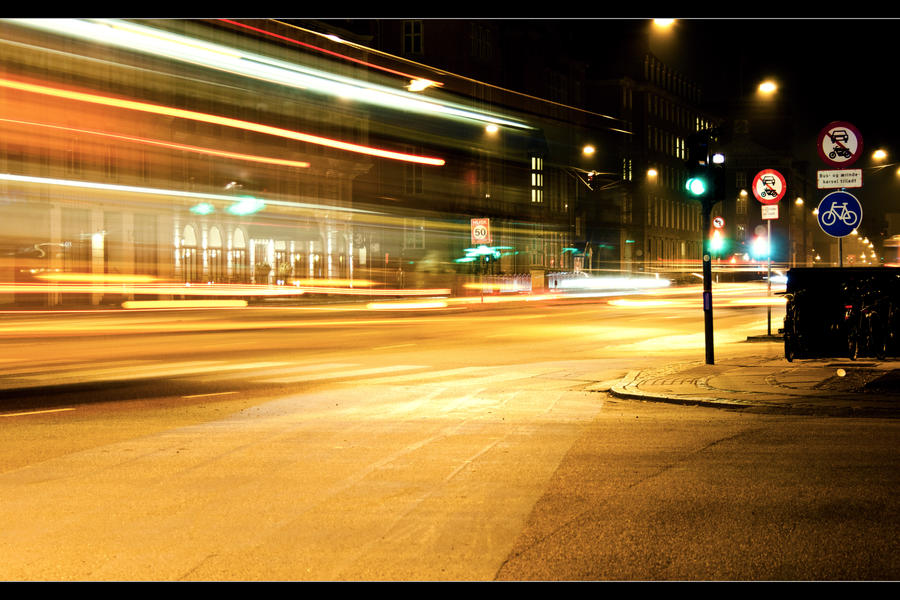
850 218
877 340
828 218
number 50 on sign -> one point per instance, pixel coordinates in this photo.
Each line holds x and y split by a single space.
481 231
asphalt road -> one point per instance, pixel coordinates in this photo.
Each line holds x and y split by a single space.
430 445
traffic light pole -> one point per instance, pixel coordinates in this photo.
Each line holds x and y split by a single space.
705 183
707 281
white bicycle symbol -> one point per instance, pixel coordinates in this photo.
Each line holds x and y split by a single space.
839 212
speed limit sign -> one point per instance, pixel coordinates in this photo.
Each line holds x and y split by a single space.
481 231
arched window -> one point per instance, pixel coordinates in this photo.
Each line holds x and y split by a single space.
191 263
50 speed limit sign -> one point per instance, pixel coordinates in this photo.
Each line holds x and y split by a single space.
481 231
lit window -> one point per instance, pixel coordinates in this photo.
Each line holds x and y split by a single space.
537 179
412 37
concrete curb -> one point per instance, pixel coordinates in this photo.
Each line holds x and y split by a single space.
837 404
627 389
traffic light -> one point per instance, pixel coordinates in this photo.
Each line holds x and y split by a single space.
705 174
717 242
698 184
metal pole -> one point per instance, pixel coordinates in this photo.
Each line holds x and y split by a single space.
769 277
707 283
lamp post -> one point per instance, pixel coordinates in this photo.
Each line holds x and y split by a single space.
799 204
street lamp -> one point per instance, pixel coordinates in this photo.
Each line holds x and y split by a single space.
767 88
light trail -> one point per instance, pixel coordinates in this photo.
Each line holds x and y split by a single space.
224 199
139 38
329 52
216 120
172 145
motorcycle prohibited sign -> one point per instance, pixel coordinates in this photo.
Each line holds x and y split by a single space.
769 186
840 144
481 231
839 214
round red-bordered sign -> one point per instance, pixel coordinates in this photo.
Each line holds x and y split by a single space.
769 186
840 144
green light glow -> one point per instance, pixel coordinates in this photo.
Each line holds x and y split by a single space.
247 205
204 208
696 186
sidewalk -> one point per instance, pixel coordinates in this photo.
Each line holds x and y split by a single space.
766 382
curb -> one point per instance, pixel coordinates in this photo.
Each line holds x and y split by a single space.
627 389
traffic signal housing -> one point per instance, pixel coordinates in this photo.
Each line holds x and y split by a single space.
697 183
705 177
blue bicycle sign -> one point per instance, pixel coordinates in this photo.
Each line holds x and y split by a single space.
839 214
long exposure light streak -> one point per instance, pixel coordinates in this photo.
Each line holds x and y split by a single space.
135 37
173 145
93 185
216 120
325 51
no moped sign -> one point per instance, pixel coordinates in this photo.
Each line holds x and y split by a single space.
769 186
840 144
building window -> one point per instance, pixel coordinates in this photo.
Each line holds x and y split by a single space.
413 176
413 234
626 169
537 180
740 205
412 37
482 42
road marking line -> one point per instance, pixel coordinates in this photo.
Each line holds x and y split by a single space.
210 394
37 412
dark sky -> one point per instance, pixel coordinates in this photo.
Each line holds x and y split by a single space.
828 69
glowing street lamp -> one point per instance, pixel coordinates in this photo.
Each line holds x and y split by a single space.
768 87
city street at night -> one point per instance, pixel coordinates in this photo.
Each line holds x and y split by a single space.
341 443
449 300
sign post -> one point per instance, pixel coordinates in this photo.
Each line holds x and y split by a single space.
769 186
481 234
839 214
839 145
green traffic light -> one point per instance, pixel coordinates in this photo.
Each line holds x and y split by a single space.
696 186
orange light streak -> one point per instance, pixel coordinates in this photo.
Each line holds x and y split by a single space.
101 283
158 304
216 120
198 149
